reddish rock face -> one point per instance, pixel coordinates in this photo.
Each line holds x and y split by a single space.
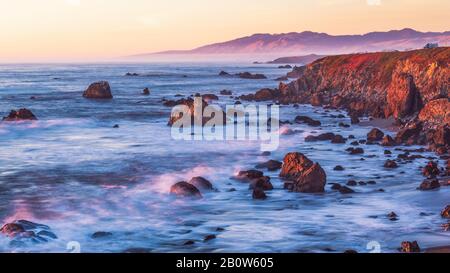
403 98
436 112
22 114
98 90
316 100
294 164
184 189
308 177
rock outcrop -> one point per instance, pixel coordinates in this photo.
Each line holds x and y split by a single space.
184 189
23 232
21 114
98 90
307 176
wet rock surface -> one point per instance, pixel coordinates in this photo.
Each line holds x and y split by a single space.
184 189
21 114
23 233
308 177
98 90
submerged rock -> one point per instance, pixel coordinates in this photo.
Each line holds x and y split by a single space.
184 189
21 114
345 190
271 165
308 120
101 234
226 92
146 92
23 232
428 185
308 177
390 164
259 194
98 90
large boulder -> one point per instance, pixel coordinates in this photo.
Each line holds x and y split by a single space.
184 189
21 114
98 90
307 176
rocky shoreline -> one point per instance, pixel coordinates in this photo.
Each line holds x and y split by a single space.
411 87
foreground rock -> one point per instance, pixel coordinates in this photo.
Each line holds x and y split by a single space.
98 90
21 114
201 183
184 189
410 247
24 232
375 135
307 176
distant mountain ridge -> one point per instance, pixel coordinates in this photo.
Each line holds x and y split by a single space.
308 42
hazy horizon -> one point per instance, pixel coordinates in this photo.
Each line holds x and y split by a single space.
99 30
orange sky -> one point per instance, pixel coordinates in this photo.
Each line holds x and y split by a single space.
88 30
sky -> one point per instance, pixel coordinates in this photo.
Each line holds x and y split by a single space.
89 30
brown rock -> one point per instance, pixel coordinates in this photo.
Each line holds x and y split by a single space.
446 212
249 175
338 139
312 180
308 177
316 100
321 137
390 164
263 183
375 135
201 183
410 247
307 120
388 141
431 169
226 92
294 165
21 114
98 90
345 190
184 189
428 185
146 92
248 75
259 194
271 165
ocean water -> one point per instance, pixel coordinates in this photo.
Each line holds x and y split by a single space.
71 170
